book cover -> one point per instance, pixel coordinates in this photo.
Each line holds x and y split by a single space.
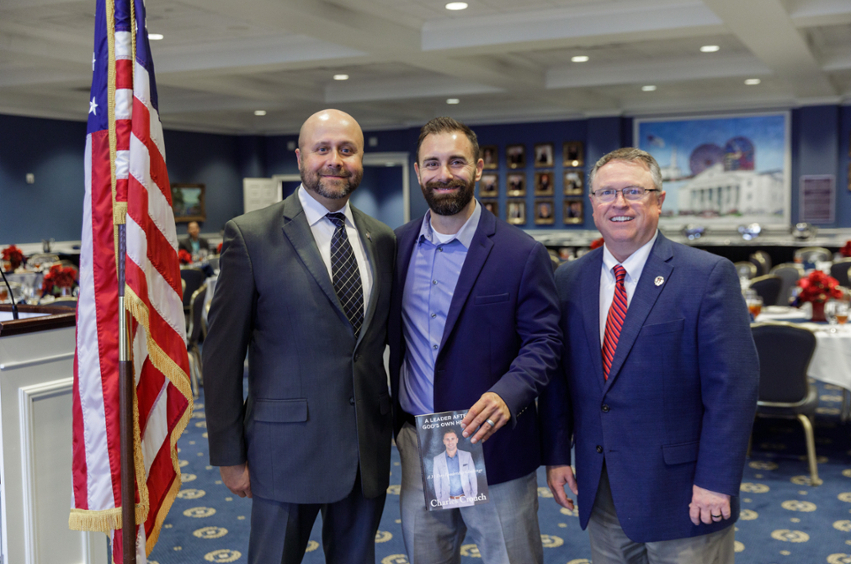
453 467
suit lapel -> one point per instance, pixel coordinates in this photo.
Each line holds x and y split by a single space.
477 255
646 294
298 232
369 247
590 289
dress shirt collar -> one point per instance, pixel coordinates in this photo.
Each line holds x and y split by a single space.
315 212
464 235
634 264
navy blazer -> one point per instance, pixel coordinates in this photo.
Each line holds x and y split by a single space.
318 408
501 335
679 403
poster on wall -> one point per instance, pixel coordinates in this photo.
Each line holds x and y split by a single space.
816 198
729 170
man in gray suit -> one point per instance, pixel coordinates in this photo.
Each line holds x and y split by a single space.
306 293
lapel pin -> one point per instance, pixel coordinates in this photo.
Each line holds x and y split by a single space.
368 236
659 280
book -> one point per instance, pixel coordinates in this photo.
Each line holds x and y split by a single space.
453 467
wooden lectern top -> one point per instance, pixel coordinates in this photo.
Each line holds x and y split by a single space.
35 318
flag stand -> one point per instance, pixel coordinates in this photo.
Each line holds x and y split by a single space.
125 407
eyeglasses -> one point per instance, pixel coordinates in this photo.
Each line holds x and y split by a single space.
631 193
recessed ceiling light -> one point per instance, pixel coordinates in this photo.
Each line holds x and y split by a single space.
155 36
259 112
453 101
579 58
454 6
709 48
341 77
752 81
649 88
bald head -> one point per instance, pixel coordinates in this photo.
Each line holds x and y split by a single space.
328 118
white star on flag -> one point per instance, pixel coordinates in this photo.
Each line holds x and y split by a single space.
93 107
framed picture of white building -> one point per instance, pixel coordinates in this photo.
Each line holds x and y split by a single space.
729 170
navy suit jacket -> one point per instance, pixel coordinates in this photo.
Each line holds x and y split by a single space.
679 403
318 408
501 335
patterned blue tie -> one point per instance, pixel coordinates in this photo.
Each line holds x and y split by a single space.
345 273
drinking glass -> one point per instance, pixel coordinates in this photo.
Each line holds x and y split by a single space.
831 310
754 304
842 308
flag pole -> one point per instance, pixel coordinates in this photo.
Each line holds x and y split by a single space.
125 407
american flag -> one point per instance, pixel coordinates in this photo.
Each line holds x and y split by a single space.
127 182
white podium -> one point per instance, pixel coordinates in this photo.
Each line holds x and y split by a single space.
36 373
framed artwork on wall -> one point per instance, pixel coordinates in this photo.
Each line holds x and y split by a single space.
489 185
574 155
544 183
544 212
544 154
490 156
187 202
574 182
515 155
516 212
492 206
516 184
574 212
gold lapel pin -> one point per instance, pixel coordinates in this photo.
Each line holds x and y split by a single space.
368 236
659 280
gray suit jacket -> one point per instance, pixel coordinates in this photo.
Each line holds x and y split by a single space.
318 405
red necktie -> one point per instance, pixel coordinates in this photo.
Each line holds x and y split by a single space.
614 321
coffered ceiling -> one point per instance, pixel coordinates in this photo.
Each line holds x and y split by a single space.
504 60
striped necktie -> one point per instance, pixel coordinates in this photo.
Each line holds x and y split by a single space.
345 273
614 321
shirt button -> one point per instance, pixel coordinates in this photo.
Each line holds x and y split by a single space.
352 402
434 315
605 408
440 249
434 282
434 347
599 448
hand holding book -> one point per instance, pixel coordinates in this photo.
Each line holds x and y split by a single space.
487 415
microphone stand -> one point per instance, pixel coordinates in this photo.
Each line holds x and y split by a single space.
11 297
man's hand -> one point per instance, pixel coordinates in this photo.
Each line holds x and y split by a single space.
236 479
487 415
708 507
557 477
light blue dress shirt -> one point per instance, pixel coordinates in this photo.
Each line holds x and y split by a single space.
454 468
432 276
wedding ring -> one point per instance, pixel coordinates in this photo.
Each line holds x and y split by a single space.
715 517
491 423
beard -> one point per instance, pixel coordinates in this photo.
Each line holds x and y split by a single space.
448 204
330 189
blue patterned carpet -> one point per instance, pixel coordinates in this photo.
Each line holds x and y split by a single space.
784 520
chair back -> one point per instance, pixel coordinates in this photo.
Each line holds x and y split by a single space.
213 261
785 351
790 273
745 269
42 260
196 310
761 261
194 278
840 270
64 302
812 255
768 288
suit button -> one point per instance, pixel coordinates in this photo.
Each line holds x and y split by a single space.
352 402
357 357
599 448
605 408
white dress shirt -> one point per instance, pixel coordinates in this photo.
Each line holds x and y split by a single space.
323 230
634 265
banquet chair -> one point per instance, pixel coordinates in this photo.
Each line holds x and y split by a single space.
194 278
785 351
839 270
745 269
65 301
768 288
213 262
790 273
812 255
762 261
193 334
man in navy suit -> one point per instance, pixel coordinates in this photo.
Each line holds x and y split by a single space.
473 325
659 385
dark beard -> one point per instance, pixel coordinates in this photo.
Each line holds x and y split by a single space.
448 204
313 182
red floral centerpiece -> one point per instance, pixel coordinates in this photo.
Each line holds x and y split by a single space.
185 257
817 288
59 280
846 250
14 256
597 243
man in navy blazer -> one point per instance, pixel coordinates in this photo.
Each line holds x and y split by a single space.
473 325
314 432
659 385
